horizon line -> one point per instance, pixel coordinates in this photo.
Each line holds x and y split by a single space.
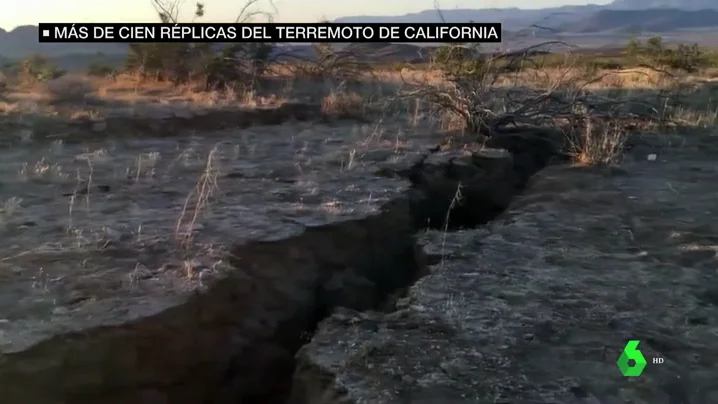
150 19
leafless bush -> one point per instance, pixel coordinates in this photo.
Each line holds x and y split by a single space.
332 64
489 93
476 90
217 65
67 89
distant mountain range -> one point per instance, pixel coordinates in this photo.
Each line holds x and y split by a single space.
673 15
621 17
647 4
637 21
22 41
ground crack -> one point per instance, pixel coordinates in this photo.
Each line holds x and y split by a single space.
236 341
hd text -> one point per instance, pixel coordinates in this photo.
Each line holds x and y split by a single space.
296 33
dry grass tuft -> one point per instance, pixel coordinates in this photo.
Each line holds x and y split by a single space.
67 89
451 122
341 104
597 144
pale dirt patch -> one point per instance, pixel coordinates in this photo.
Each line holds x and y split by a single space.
76 96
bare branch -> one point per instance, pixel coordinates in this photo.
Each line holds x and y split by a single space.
168 10
246 14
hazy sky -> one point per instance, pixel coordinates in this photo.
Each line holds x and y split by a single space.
24 12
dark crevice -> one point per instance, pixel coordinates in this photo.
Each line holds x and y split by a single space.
379 269
486 184
236 342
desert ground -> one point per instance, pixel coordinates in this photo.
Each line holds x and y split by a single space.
335 240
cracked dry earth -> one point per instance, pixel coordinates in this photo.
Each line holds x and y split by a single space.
79 215
537 306
99 304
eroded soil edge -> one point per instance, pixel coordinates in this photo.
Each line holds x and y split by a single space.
154 120
236 342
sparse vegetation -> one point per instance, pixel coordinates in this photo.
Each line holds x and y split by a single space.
67 89
462 88
100 70
491 94
34 69
333 64
217 66
343 104
654 52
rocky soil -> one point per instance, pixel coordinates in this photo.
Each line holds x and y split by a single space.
537 306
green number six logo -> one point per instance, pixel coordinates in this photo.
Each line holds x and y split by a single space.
630 352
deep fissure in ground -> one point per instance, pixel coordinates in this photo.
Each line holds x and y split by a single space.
450 193
236 342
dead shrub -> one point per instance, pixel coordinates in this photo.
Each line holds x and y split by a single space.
67 89
341 104
473 90
493 92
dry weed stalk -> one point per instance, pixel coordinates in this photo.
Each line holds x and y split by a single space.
89 183
197 200
597 144
82 187
70 210
455 201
